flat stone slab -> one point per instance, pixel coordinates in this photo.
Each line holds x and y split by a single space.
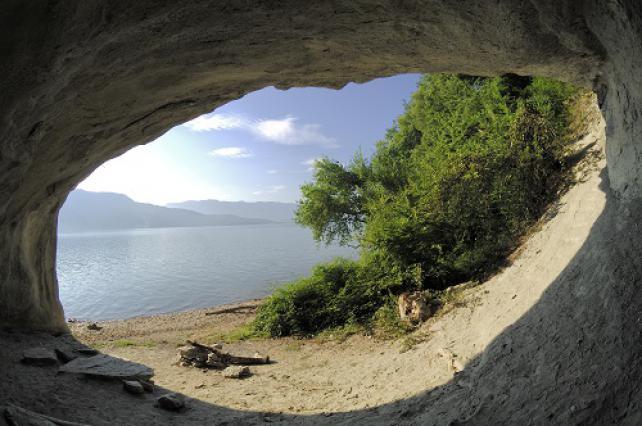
39 356
106 366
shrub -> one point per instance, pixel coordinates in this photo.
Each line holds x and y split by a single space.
469 165
306 306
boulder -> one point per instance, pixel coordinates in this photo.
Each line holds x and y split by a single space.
39 356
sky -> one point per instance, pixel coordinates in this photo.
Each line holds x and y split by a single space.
261 147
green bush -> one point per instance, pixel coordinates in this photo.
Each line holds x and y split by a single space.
469 165
323 300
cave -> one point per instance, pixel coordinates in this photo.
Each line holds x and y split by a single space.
82 82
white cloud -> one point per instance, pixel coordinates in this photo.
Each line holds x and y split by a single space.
215 122
272 189
276 130
272 172
231 152
285 131
311 162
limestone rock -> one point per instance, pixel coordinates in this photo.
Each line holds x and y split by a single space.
171 402
108 367
39 356
70 67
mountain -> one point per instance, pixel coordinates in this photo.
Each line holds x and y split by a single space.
273 211
98 211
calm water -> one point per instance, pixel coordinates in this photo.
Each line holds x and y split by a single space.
128 273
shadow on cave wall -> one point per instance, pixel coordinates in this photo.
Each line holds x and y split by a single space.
573 358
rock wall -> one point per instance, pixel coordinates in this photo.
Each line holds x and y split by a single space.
82 82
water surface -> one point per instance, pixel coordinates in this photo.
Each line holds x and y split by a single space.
121 274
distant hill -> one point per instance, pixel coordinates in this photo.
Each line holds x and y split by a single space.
97 211
277 212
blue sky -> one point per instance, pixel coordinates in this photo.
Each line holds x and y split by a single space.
258 148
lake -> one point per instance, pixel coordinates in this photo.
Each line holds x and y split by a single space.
121 274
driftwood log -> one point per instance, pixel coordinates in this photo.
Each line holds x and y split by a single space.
240 309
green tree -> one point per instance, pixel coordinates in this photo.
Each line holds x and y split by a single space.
469 165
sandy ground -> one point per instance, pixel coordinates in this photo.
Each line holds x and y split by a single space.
525 347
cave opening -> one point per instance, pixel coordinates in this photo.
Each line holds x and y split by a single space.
82 83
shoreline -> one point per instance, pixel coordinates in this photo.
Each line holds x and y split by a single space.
173 327
209 310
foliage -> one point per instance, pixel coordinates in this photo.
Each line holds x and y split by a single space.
469 165
387 322
332 296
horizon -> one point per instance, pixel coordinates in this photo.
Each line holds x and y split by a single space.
259 148
184 201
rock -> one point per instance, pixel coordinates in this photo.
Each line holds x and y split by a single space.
17 416
94 327
86 351
171 402
148 385
414 307
213 361
65 355
39 356
236 372
193 353
134 387
108 367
